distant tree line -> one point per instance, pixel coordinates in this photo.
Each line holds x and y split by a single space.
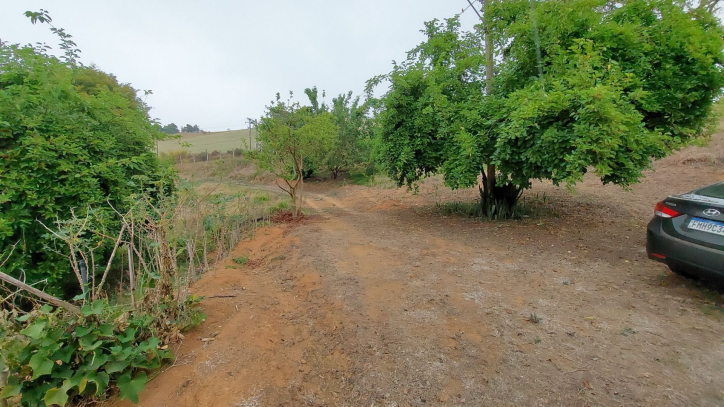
172 128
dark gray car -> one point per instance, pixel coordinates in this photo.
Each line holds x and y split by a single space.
687 233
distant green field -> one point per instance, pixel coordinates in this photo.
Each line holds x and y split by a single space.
220 140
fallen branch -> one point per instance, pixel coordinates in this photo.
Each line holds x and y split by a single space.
223 296
45 296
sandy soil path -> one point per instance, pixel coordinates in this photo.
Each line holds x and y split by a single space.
378 300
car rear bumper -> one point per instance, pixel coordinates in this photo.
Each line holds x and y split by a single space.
697 260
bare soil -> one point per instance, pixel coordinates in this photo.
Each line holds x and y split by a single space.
378 299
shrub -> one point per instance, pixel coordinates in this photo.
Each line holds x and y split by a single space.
56 358
70 137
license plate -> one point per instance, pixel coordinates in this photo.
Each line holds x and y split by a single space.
708 226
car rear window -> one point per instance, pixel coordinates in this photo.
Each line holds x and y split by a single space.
713 191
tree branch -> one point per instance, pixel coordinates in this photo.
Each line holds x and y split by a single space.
40 294
110 260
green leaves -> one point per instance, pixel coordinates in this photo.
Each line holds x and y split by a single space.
99 379
116 366
93 308
10 390
40 364
56 396
59 358
35 330
128 335
432 118
131 388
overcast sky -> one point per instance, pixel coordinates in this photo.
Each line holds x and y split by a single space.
216 62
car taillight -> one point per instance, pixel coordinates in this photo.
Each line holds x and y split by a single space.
664 211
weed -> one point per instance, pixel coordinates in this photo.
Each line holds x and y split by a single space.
359 178
382 182
281 206
261 199
280 257
534 318
231 266
566 283
537 340
627 331
241 260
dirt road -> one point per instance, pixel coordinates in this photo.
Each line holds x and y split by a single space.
379 300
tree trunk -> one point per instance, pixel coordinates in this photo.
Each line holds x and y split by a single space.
297 189
491 179
300 195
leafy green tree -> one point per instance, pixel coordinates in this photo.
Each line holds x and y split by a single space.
170 128
71 138
433 117
579 84
354 126
288 135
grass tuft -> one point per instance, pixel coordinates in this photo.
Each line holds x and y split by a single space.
241 260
